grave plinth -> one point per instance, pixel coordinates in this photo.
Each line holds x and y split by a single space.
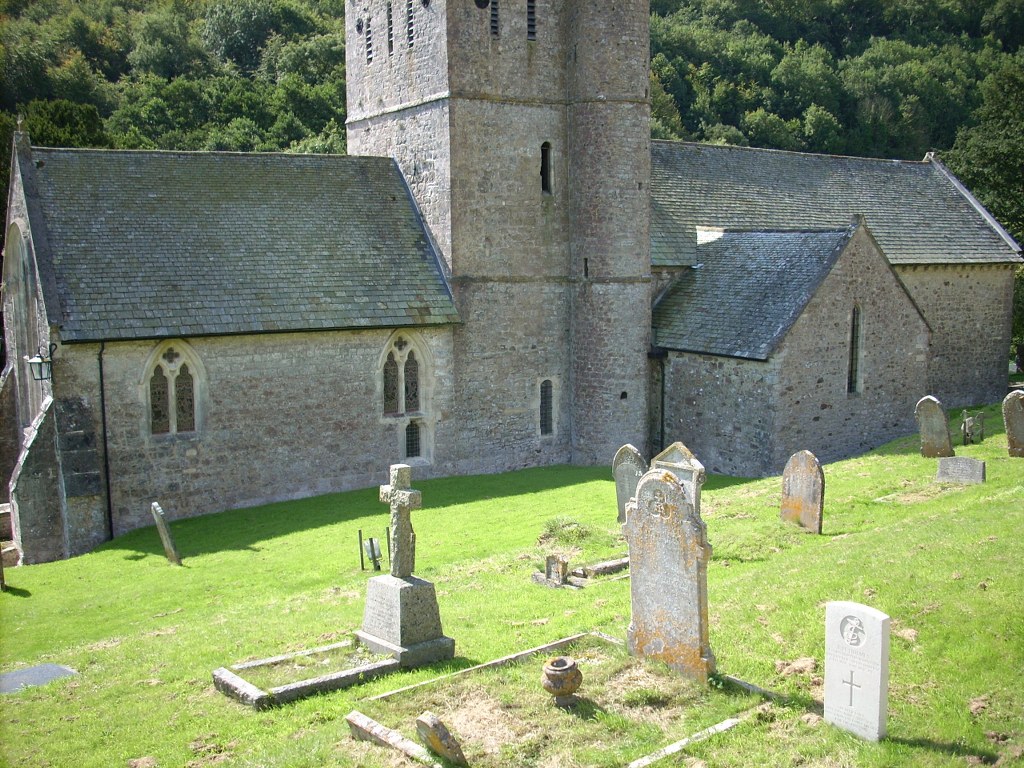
401 617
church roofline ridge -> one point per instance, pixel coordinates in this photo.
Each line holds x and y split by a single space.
794 152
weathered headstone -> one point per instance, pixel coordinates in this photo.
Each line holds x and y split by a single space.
680 461
857 668
803 491
439 739
170 550
401 616
628 467
934 428
960 469
1013 420
668 554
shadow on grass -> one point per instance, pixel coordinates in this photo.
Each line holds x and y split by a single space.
953 750
16 591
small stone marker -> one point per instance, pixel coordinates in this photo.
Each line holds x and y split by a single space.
960 469
12 682
934 428
368 729
628 467
401 616
1013 420
857 668
668 556
439 739
803 491
170 550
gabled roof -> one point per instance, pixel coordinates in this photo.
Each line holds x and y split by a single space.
917 211
747 290
165 244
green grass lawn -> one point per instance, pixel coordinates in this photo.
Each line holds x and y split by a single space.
945 562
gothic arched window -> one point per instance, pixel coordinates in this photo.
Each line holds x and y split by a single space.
171 386
404 391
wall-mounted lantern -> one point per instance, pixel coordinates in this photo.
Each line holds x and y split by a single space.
42 364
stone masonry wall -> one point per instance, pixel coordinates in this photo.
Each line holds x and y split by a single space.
969 309
281 416
37 508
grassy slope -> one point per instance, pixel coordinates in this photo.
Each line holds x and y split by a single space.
942 560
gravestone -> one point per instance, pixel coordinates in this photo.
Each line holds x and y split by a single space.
628 467
972 428
803 491
1013 420
934 428
680 461
857 668
668 556
960 469
170 551
401 616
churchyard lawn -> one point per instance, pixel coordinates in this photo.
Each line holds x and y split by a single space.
944 561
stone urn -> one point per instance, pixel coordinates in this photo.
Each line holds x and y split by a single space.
561 678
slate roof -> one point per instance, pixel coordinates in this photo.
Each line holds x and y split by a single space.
746 293
917 211
166 244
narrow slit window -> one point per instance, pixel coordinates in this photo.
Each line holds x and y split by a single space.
853 371
545 167
410 30
412 440
391 30
494 18
531 19
159 407
547 425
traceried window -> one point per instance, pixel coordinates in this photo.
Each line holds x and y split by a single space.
853 383
404 401
171 387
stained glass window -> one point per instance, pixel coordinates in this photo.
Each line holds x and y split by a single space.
185 400
412 384
391 385
412 440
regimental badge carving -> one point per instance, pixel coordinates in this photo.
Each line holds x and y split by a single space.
852 630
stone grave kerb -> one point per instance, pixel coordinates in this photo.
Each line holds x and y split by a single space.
401 497
628 466
681 462
669 553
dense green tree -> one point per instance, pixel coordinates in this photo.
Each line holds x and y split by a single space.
237 30
165 43
62 123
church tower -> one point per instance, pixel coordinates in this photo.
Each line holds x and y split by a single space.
522 129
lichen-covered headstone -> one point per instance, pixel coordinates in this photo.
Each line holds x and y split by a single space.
857 668
934 428
628 467
1013 420
803 491
439 739
668 554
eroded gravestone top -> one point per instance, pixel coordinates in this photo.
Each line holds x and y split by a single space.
857 668
628 467
680 461
934 428
668 555
403 499
1013 420
803 491
960 469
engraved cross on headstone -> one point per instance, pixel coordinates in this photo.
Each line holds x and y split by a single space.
403 499
852 686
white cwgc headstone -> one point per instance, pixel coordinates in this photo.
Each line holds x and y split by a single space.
857 668
628 467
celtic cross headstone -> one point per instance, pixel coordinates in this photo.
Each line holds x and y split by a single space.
403 499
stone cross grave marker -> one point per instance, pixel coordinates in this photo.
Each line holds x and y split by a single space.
972 428
401 616
668 556
934 428
628 467
403 499
803 491
960 469
857 668
1013 420
680 461
170 550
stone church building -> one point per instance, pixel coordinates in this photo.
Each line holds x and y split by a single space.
505 272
